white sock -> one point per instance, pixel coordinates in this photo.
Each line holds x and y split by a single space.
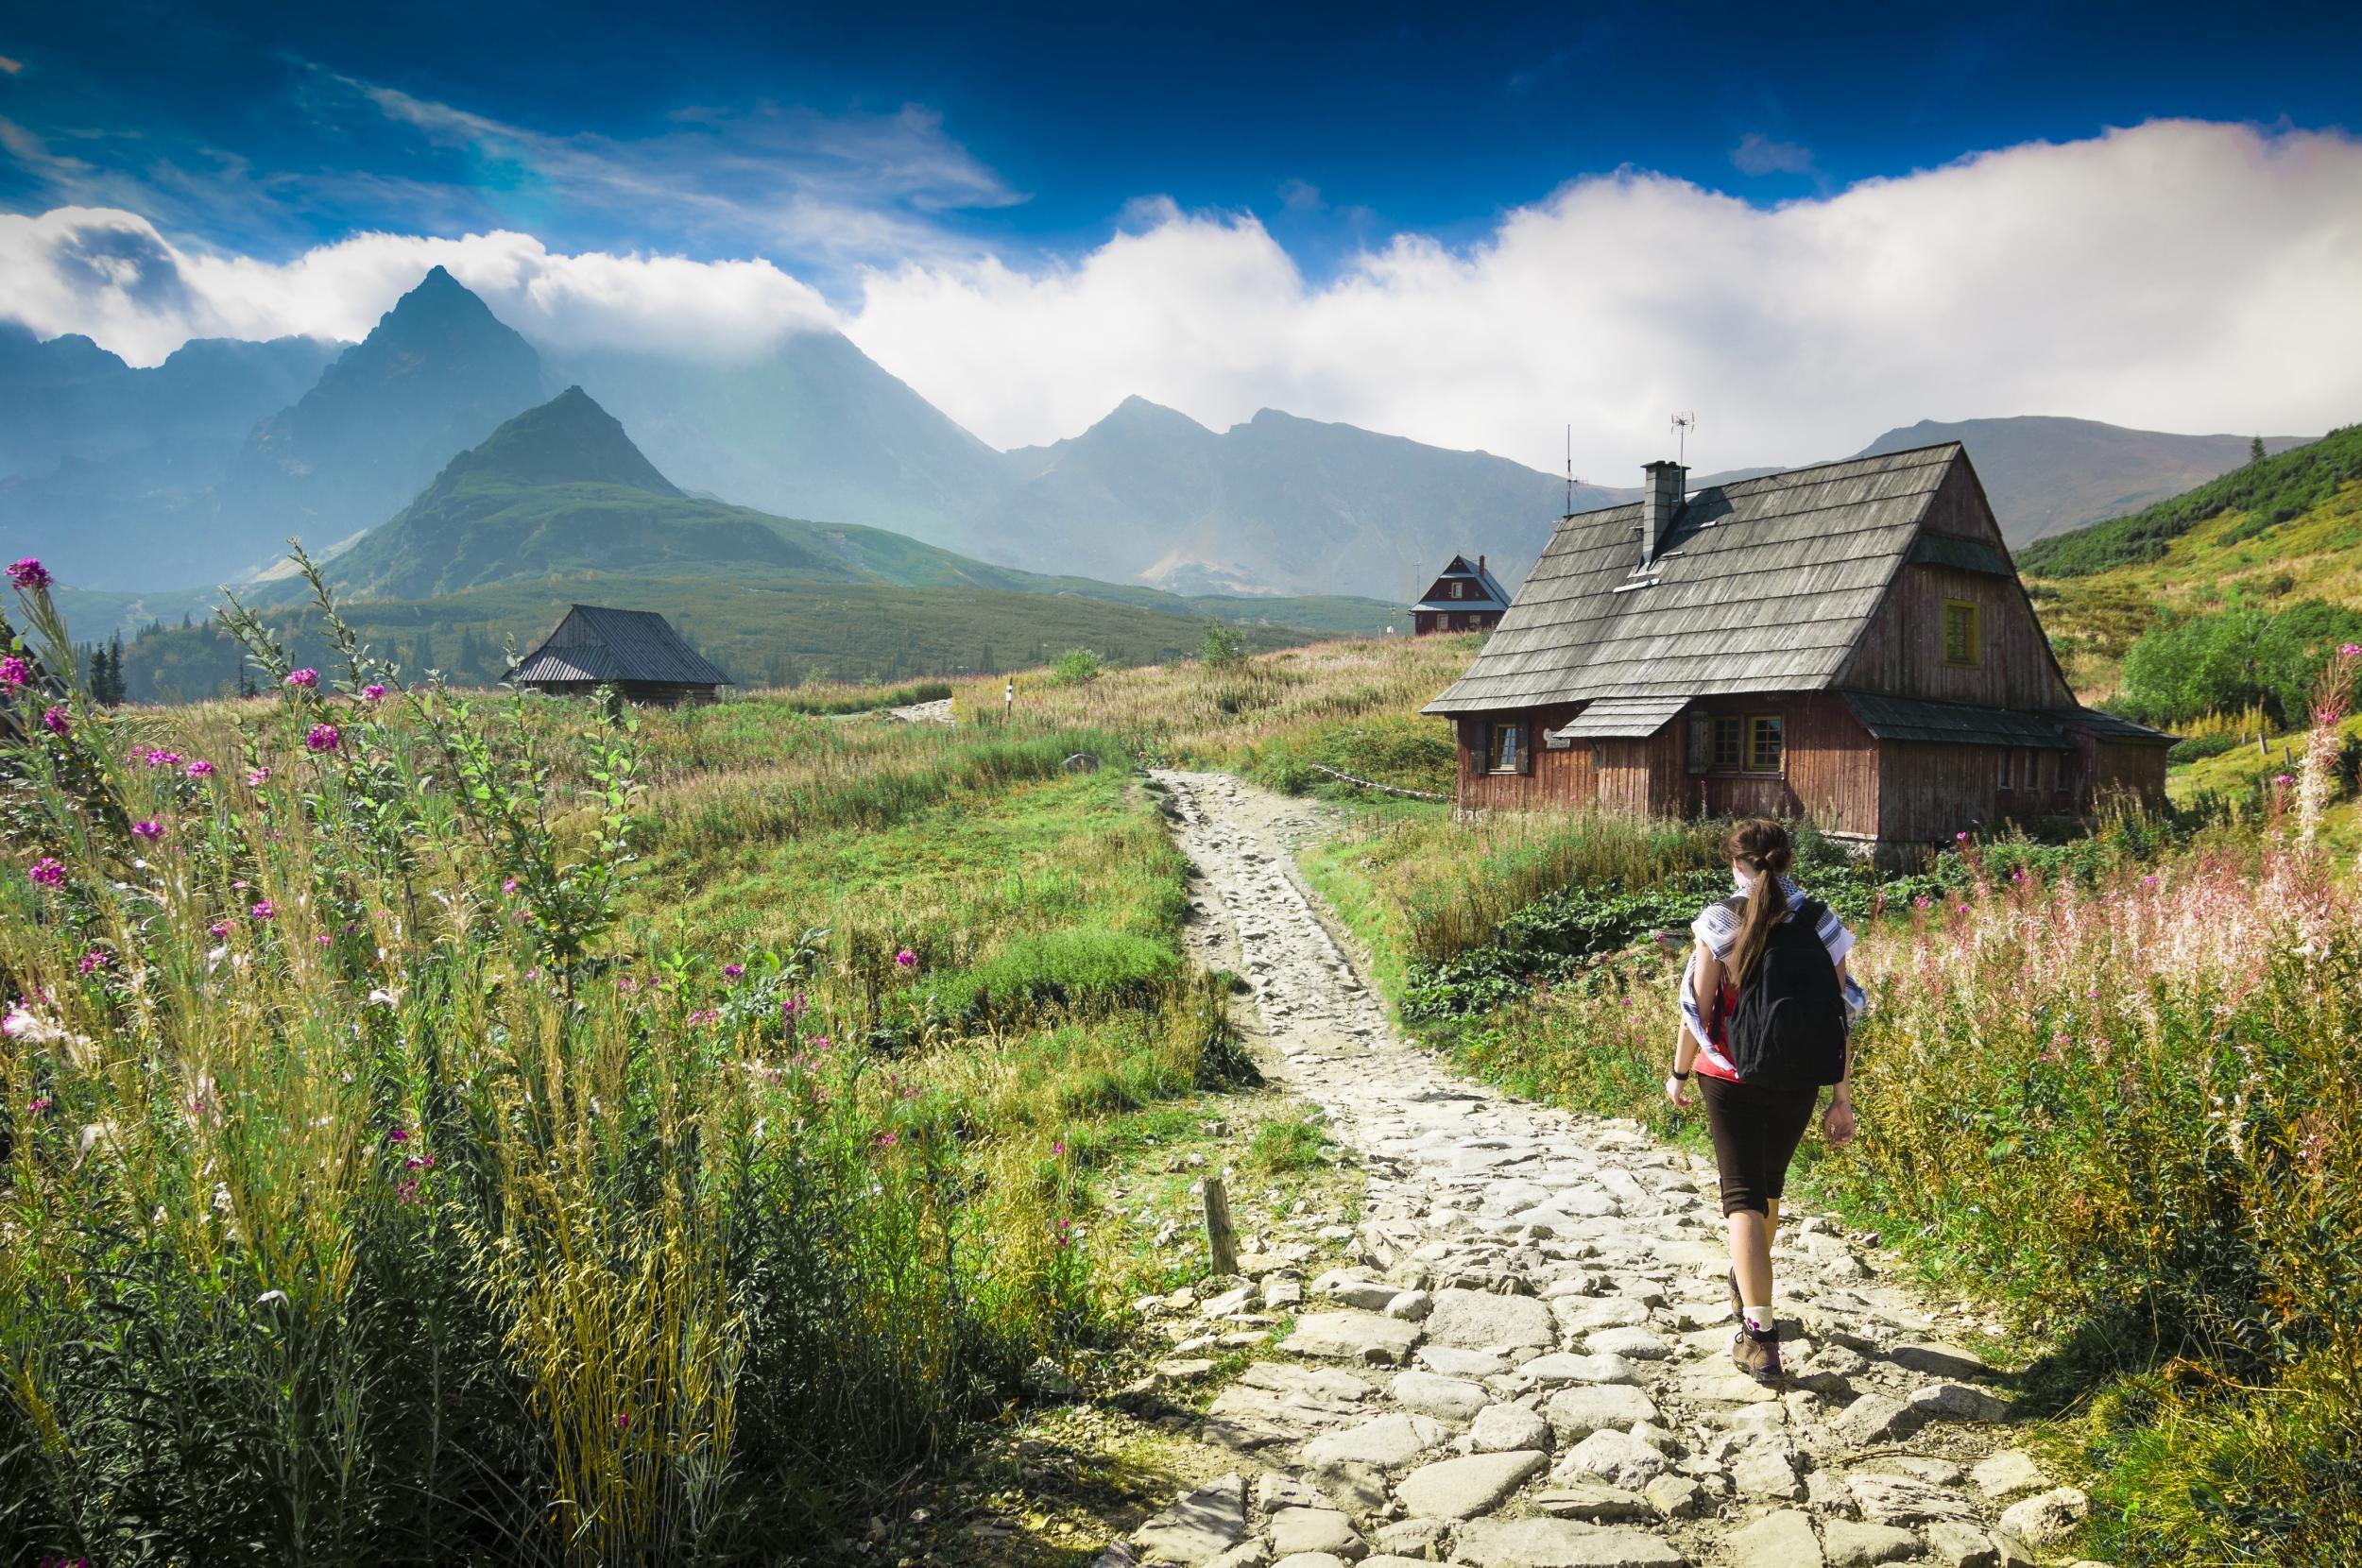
1759 1317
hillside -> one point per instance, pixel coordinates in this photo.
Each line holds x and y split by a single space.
2289 527
772 630
2047 475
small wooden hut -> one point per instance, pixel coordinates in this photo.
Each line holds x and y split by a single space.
1848 642
636 652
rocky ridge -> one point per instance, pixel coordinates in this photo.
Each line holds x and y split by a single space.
1523 1361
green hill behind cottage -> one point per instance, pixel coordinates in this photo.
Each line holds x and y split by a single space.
559 506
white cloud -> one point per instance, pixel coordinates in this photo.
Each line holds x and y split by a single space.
111 274
2177 276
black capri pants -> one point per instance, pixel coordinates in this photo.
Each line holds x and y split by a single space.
1755 1131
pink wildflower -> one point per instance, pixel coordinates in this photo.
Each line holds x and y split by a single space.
307 679
399 1134
372 692
147 829
1059 1148
791 1008
30 574
39 1103
1960 838
219 928
257 778
622 1422
887 1140
906 960
820 1042
14 670
159 758
2350 650
2283 780
200 769
49 871
95 959
264 910
322 737
323 939
2149 880
508 884
1922 902
55 720
732 971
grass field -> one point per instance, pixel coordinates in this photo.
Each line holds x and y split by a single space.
454 1128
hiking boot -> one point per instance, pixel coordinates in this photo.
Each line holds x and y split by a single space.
1757 1352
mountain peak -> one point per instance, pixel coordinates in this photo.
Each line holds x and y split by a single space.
1137 413
567 440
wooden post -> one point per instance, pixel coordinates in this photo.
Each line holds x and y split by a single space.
1219 1237
1008 700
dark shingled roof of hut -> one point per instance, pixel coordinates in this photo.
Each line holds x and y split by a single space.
594 643
1761 584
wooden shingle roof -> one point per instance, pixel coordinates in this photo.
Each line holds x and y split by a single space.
1761 584
594 643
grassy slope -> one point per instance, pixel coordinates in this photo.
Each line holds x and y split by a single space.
763 631
2291 524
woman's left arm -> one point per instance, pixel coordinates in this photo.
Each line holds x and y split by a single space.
1838 1121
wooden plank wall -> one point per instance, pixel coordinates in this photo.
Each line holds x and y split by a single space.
1901 651
1829 771
1558 778
2126 766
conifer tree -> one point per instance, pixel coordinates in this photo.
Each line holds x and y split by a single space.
2255 450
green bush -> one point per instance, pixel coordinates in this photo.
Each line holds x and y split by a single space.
2236 658
2199 746
1075 667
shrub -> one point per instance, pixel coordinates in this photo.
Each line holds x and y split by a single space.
1224 646
1076 667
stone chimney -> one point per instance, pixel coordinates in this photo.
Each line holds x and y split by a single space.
1660 503
1480 563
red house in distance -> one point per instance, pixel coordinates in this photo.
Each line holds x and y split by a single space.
1464 599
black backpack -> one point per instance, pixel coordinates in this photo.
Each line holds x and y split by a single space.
1789 1028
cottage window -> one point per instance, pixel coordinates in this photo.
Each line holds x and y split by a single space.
2009 768
1505 748
1763 742
1730 740
1459 590
1962 641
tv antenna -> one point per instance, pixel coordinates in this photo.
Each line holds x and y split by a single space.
1683 425
1571 471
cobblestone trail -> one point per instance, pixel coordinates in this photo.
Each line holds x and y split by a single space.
1524 1360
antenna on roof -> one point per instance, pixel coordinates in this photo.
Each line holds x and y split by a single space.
1571 471
1683 425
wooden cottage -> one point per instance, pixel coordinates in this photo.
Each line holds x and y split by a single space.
1464 599
1849 643
637 651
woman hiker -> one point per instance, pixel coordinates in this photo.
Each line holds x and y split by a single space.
1766 1004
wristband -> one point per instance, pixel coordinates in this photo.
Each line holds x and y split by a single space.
1682 1076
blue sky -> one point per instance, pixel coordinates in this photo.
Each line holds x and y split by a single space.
1473 224
1031 129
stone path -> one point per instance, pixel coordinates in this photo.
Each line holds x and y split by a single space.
1526 1363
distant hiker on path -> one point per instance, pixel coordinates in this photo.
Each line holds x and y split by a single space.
1766 1005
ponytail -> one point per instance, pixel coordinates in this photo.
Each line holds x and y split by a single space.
1764 848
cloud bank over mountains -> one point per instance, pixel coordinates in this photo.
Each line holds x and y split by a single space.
2178 275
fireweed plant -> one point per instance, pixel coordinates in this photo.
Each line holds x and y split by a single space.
367 1198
